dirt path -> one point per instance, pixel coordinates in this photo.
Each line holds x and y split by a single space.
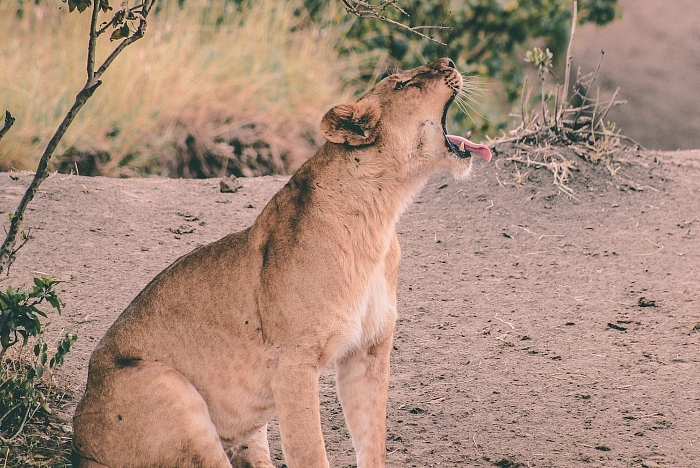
520 342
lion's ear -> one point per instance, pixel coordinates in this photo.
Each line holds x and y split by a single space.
354 123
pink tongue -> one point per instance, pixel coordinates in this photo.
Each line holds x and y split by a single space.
482 151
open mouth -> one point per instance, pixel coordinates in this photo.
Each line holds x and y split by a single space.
461 146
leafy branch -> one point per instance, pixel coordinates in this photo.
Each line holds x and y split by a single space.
20 312
129 26
22 392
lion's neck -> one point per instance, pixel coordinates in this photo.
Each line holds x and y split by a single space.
349 198
361 184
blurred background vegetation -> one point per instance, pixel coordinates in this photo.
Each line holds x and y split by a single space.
238 87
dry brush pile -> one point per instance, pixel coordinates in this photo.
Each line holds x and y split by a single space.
559 133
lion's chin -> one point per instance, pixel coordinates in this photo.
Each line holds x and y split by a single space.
461 169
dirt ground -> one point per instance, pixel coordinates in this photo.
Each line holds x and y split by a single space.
535 330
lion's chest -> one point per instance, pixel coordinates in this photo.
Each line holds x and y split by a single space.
368 321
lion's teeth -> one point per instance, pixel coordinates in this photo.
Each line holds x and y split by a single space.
461 146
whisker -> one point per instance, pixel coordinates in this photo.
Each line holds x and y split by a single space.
464 109
474 83
462 104
475 86
474 80
468 92
470 97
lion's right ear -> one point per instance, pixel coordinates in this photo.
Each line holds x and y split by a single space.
354 123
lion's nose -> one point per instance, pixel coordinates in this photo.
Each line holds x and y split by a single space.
450 63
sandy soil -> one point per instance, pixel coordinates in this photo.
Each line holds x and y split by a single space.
520 342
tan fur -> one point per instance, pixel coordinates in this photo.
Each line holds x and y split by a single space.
240 329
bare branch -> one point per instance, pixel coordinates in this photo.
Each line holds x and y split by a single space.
569 58
138 34
25 236
584 97
92 42
363 9
609 106
9 121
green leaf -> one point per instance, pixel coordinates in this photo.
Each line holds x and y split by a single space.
25 336
55 302
120 33
104 5
83 5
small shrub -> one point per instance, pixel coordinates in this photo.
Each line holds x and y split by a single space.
23 387
553 136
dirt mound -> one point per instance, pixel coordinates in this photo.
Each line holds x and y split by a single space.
534 329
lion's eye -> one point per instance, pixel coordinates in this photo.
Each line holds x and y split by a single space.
400 84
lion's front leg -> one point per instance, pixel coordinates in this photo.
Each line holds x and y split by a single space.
295 389
363 387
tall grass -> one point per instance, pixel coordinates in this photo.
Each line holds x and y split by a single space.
203 72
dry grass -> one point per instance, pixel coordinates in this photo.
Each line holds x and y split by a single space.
46 440
203 76
548 139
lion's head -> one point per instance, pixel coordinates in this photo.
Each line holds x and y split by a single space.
405 114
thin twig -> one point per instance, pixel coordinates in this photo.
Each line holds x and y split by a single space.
569 58
634 142
26 236
9 121
21 426
92 42
363 9
11 409
507 323
138 34
42 172
584 97
607 109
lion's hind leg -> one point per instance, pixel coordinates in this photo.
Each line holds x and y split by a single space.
145 414
253 452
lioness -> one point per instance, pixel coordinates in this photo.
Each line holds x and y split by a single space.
240 329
